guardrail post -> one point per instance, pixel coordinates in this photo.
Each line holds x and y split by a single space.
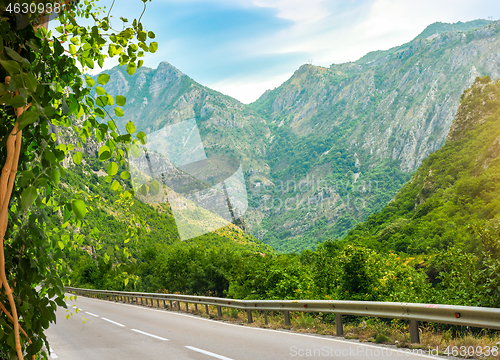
287 318
206 309
158 303
249 316
338 324
187 307
142 301
171 306
265 317
195 307
219 311
414 335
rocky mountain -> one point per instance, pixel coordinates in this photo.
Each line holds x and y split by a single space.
165 96
453 197
360 129
332 145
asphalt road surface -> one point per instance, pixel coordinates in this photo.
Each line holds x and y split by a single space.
122 331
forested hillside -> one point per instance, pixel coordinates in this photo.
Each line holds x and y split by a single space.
105 234
453 199
437 242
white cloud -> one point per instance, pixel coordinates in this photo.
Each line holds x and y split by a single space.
297 10
249 89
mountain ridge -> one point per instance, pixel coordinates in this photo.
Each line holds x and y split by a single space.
353 132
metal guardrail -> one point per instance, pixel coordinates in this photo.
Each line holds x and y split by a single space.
480 317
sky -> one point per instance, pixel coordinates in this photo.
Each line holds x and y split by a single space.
244 47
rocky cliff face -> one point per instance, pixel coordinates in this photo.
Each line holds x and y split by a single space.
165 96
331 145
396 104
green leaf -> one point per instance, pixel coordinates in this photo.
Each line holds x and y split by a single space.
114 50
61 244
28 196
77 158
101 101
100 90
151 35
130 127
144 189
125 281
131 68
120 100
125 175
153 47
104 153
13 54
142 36
103 79
155 187
119 112
72 49
90 82
111 101
28 174
26 118
142 137
139 63
55 176
32 82
99 113
115 186
89 62
135 150
49 111
79 208
109 250
10 66
17 101
58 48
112 168
112 125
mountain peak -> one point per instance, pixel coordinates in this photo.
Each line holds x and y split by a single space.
439 28
166 75
165 65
